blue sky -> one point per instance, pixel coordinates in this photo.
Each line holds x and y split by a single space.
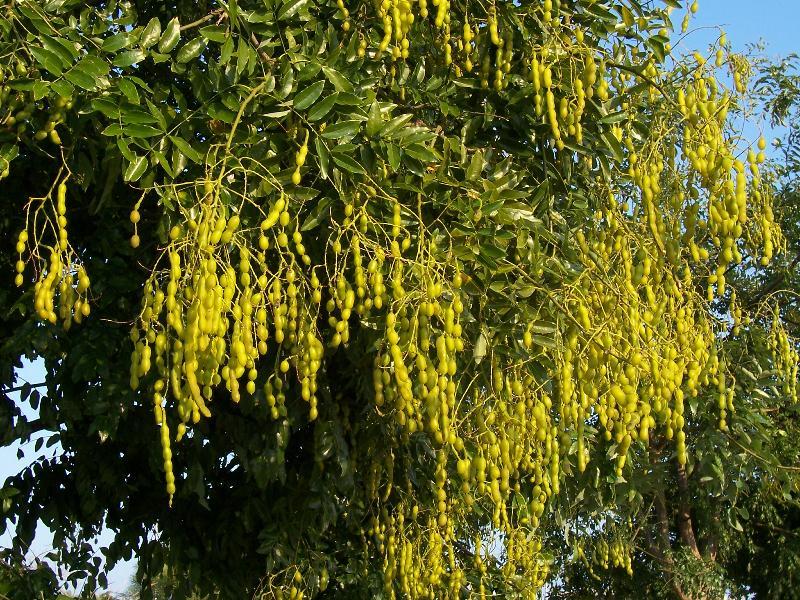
745 22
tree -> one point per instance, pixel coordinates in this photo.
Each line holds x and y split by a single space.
732 522
405 287
31 581
162 586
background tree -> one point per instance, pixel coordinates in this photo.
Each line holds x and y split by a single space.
404 287
17 582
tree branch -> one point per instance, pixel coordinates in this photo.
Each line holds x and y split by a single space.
216 13
23 386
774 283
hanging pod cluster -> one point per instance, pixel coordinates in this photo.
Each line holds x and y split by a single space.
209 318
61 280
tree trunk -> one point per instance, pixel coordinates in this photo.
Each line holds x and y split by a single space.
685 527
663 546
712 546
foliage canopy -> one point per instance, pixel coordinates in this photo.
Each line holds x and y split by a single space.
405 286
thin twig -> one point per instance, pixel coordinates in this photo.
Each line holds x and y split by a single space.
202 20
21 387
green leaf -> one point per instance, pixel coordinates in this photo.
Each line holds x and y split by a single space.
134 114
9 151
215 33
544 328
162 160
348 163
93 65
612 143
337 79
226 51
421 152
544 342
151 33
23 84
233 10
323 107
178 161
349 99
308 96
612 118
242 56
137 130
116 42
657 44
287 81
394 124
48 60
341 129
129 90
135 169
218 111
466 82
481 346
309 72
159 58
63 88
492 252
598 10
64 49
40 90
109 108
125 149
191 50
375 120
128 58
290 8
626 14
277 114
475 166
170 37
393 154
187 149
323 155
80 78
317 214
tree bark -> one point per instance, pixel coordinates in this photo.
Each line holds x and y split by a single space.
662 522
712 546
685 527
663 546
